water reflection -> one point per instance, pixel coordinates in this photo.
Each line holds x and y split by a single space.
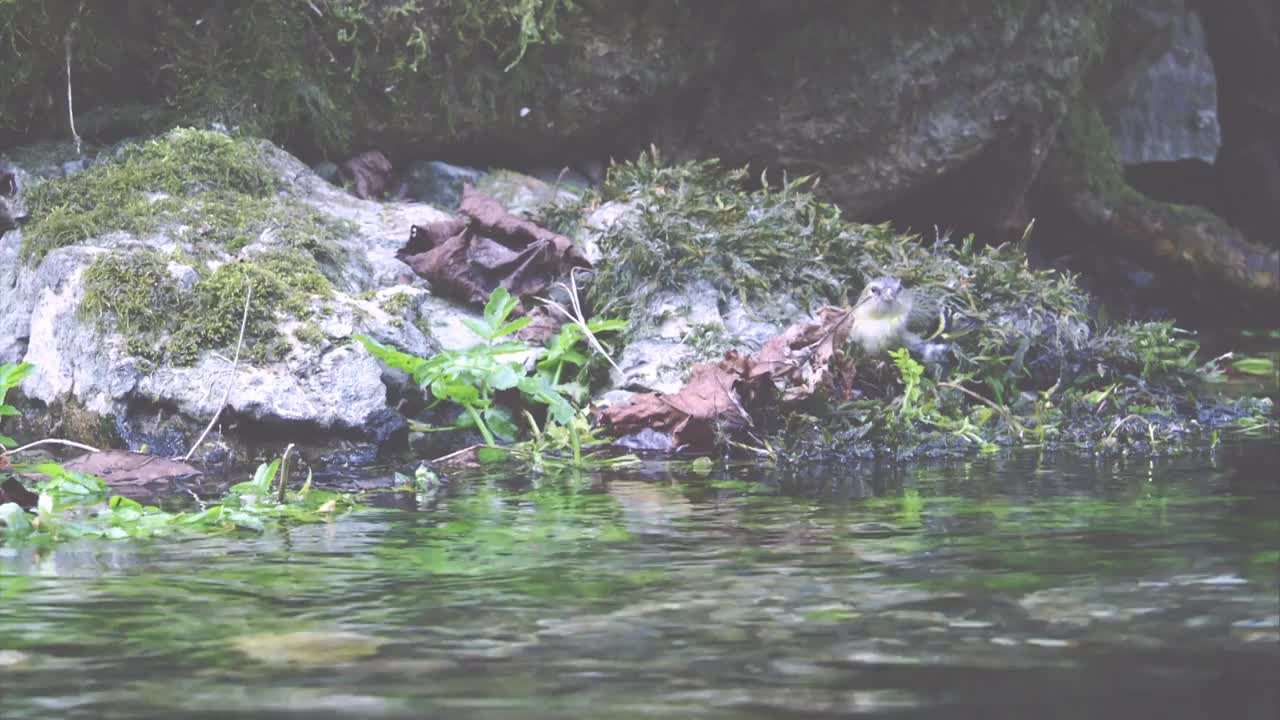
1064 586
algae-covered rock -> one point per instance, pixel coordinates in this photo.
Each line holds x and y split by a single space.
686 250
127 290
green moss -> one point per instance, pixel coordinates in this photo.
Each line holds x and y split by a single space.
131 292
142 186
310 334
284 283
233 220
397 303
1033 369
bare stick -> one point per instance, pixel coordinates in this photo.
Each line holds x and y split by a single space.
1004 412
49 441
66 41
231 381
577 318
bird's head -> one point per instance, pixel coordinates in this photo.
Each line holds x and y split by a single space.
883 296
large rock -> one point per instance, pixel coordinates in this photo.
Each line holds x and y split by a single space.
1162 104
888 102
319 380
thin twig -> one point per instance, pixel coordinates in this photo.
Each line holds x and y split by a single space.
577 318
231 381
1004 412
66 41
49 441
456 453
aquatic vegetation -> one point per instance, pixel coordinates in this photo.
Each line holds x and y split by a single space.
78 505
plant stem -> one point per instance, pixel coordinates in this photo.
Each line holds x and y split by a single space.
484 429
577 445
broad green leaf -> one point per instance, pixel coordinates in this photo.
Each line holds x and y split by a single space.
485 332
505 376
391 357
499 306
458 392
500 422
1255 365
510 327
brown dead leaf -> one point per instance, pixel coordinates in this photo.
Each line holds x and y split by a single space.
543 326
369 174
123 468
12 491
467 259
788 368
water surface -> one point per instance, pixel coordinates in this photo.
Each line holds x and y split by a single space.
1008 586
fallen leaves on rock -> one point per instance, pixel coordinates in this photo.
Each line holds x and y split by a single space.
12 491
120 468
368 173
467 258
719 396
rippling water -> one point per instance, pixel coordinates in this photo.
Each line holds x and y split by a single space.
1019 586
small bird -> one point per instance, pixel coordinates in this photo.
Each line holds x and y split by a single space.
880 317
884 316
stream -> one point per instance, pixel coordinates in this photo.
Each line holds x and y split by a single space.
1013 585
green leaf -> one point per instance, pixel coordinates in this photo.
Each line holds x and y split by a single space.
457 392
12 374
1255 365
505 376
391 357
481 329
6 441
8 410
118 502
264 476
492 455
499 306
508 348
500 422
605 325
510 327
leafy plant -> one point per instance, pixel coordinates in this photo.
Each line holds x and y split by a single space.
471 378
911 373
78 505
11 375
563 349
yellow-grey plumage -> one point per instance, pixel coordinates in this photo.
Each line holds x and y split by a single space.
888 316
881 315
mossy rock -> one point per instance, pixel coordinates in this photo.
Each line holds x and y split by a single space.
1034 368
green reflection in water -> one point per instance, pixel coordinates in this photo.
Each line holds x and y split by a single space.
737 592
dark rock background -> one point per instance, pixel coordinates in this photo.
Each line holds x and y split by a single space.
1143 136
